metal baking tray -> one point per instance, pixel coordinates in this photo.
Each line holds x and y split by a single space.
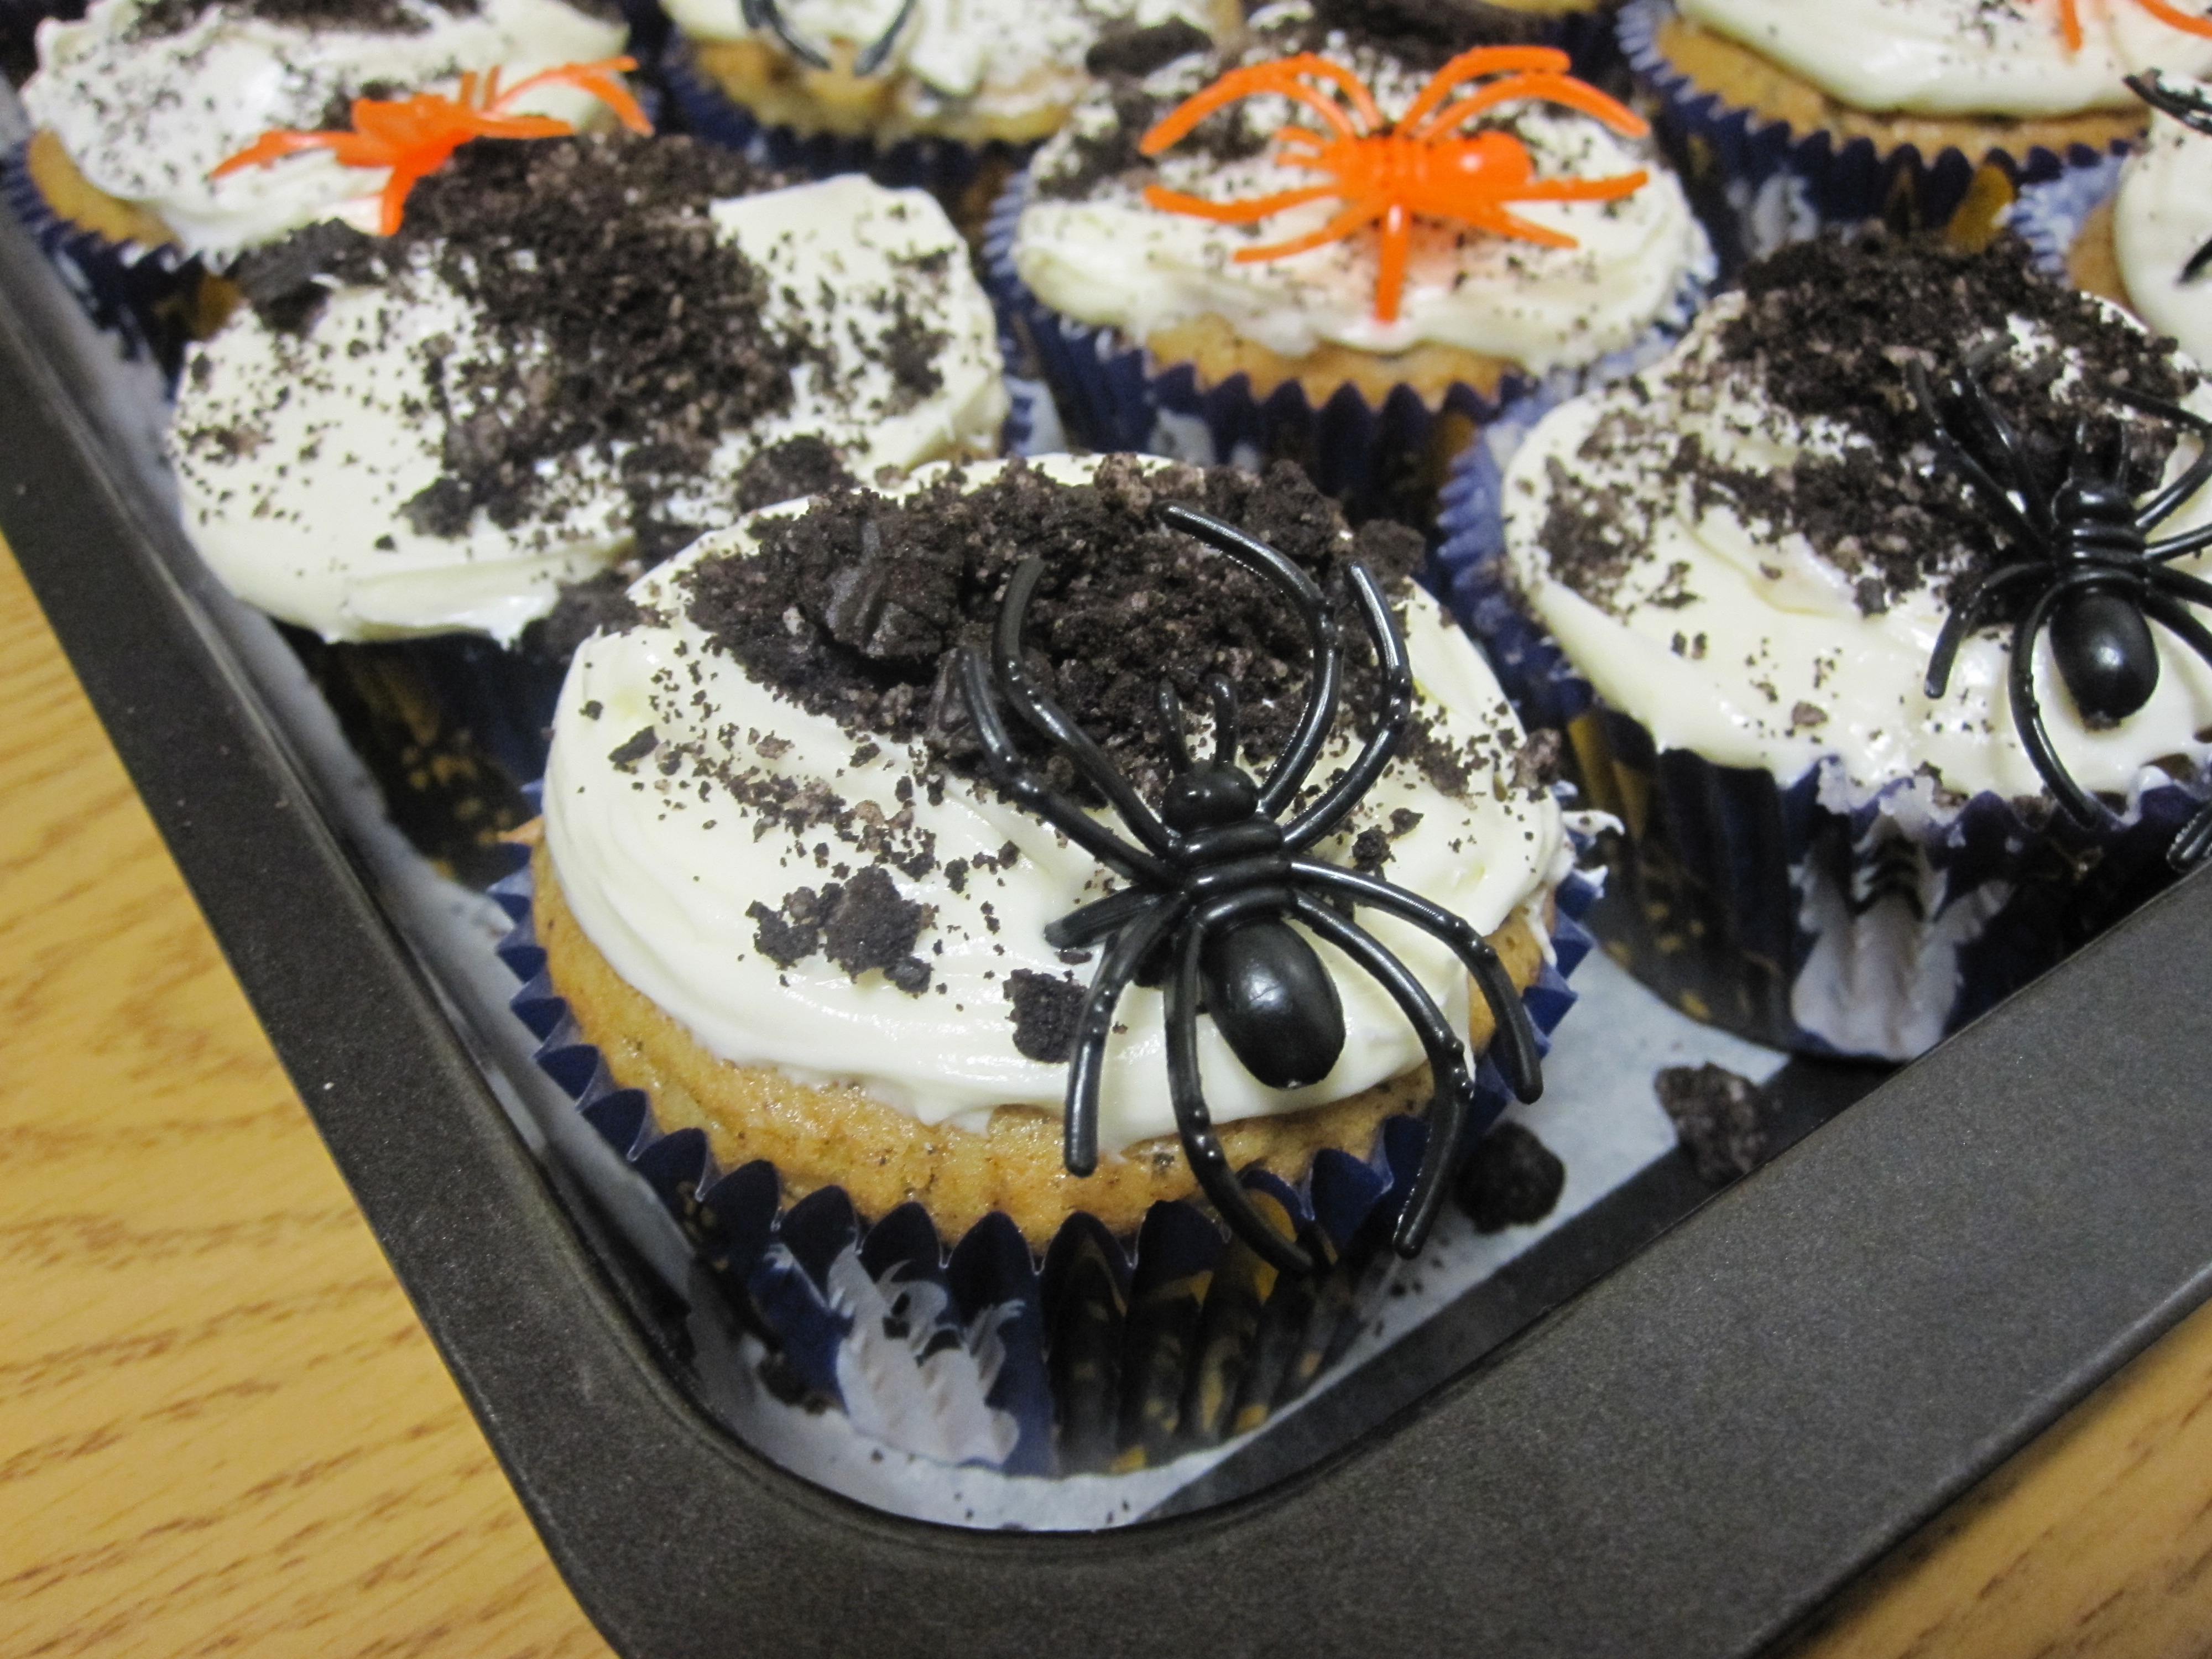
1687 1457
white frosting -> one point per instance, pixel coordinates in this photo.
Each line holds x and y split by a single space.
1790 673
1960 57
295 456
984 58
147 120
1108 260
660 871
2162 215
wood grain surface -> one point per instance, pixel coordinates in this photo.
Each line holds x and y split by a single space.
224 1431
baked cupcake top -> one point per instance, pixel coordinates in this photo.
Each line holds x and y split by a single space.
988 61
1089 246
1751 546
1964 57
767 809
149 97
2162 219
575 351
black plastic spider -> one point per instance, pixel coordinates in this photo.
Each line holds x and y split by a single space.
2091 576
2193 110
1216 879
768 15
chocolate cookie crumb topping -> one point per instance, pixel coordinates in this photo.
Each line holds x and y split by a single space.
855 607
1512 1179
1044 1008
1724 1121
1821 336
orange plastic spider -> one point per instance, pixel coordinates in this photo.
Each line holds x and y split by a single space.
2069 20
1395 171
415 137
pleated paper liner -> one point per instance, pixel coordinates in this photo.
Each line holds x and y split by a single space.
2067 224
1105 1357
1792 913
1759 184
1386 461
153 299
453 729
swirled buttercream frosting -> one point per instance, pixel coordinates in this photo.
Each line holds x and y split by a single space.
149 97
1088 247
1958 57
1751 546
2161 217
767 811
577 352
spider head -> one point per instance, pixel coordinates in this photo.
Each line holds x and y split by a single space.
1205 795
1209 796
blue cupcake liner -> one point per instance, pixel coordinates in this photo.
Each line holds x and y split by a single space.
1100 1357
1768 906
1759 184
941 166
1108 397
2049 215
142 296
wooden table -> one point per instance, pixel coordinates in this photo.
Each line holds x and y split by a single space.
222 1430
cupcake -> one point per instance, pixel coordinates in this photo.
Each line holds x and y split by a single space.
1788 117
1170 313
136 107
917 91
781 895
2135 232
1794 595
574 354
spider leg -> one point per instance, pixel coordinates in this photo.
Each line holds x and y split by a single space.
1552 88
1100 919
1280 78
1965 617
1015 776
1170 709
2185 104
1393 248
1288 774
2028 715
2008 445
1209 1162
1397 707
2194 843
1583 190
1500 221
767 13
2180 585
1954 453
1233 213
871 56
1455 1086
1086 1062
1356 216
1021 689
2171 498
1516 1042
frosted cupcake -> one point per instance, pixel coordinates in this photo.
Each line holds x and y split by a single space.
141 103
1193 281
1793 117
1853 818
781 891
574 354
916 90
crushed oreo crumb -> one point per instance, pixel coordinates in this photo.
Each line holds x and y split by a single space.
800 466
857 608
1511 1179
858 924
1724 1121
1044 1008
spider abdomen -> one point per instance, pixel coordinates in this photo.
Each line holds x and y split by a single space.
2105 653
1274 1002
